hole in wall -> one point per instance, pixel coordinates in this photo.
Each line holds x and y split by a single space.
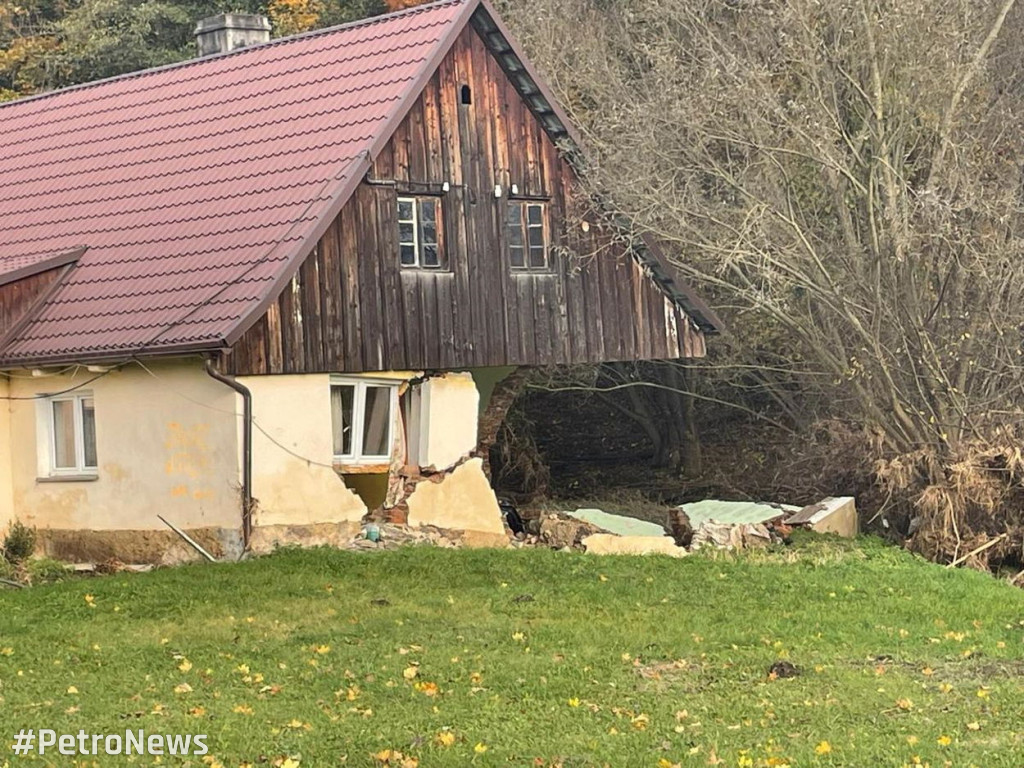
372 487
465 95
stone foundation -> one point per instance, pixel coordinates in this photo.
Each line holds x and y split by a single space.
136 546
267 538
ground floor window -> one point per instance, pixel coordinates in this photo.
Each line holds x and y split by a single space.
72 434
362 419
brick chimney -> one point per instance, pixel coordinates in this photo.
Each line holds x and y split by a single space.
230 31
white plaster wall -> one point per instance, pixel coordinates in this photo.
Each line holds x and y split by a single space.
6 490
447 413
166 444
464 500
293 478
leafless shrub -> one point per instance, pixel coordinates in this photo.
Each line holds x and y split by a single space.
844 178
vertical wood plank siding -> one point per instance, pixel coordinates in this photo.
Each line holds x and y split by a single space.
351 307
18 297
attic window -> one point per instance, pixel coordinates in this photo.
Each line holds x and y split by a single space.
527 236
419 233
465 95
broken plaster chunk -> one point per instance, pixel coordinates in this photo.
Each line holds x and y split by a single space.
462 501
623 525
610 544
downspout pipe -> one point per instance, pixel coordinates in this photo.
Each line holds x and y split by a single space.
246 445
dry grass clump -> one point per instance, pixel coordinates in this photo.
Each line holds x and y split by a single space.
967 506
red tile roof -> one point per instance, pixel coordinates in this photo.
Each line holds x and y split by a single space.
195 186
192 192
17 267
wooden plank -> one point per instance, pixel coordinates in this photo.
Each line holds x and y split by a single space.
558 235
18 298
653 297
291 328
275 355
401 150
445 314
463 299
591 279
369 263
480 206
641 327
430 353
501 291
432 136
312 311
490 257
331 303
417 143
393 318
351 311
449 106
527 342
414 313
542 331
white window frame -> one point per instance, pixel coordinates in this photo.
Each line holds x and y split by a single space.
415 221
356 457
80 468
417 234
524 228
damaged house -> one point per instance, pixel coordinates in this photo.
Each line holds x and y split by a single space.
271 291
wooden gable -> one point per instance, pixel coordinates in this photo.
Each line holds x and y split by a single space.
26 283
351 307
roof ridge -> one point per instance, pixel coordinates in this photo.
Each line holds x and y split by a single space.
368 21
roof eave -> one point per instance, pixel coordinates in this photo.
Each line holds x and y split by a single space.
109 357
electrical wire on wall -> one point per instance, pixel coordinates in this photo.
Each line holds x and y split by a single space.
237 415
45 395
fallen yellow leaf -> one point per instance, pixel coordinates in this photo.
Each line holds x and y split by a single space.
428 689
445 738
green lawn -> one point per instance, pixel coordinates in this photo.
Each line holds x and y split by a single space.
529 658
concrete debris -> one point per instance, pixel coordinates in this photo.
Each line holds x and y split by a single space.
611 544
393 536
834 514
735 512
561 531
731 535
621 525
